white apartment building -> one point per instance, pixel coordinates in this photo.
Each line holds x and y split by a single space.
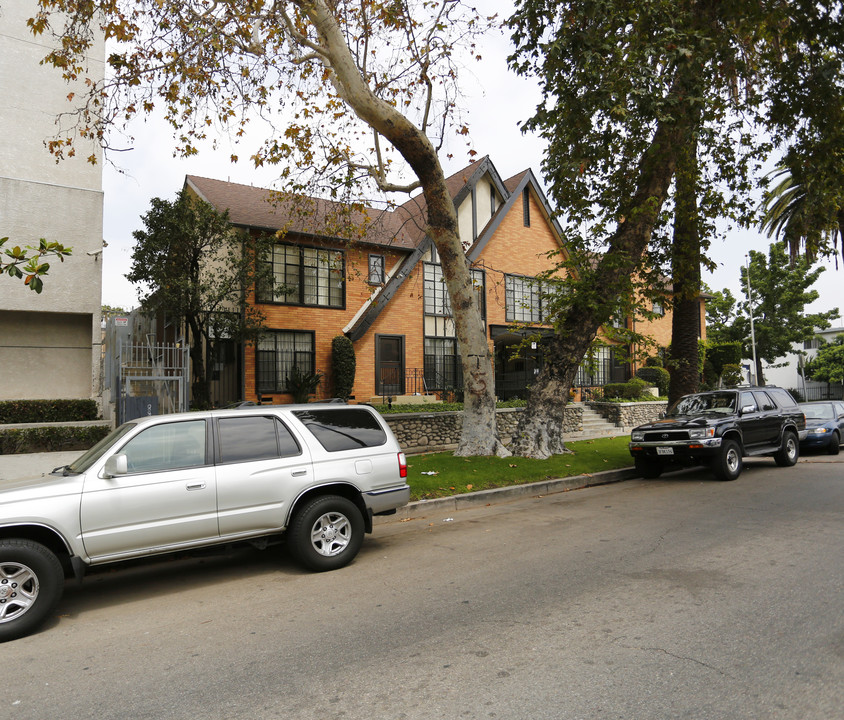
49 343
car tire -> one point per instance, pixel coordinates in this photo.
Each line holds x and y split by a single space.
728 464
31 585
834 446
648 468
788 453
326 533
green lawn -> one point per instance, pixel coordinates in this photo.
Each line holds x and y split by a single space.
456 475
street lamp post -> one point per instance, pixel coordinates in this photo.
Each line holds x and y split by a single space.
752 332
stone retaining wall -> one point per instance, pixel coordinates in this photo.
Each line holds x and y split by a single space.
629 414
433 432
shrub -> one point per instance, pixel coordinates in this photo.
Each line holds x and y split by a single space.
51 439
654 361
632 389
656 376
302 385
343 366
40 411
731 375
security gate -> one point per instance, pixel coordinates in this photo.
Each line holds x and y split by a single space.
153 380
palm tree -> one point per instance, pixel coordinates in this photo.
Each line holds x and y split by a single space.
791 213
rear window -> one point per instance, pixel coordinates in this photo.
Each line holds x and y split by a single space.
344 428
782 397
247 438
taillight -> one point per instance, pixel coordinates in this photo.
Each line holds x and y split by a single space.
402 465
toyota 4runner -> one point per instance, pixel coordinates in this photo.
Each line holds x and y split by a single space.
719 428
174 482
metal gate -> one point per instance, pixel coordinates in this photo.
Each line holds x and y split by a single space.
153 380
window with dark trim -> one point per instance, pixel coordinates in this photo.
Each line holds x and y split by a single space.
376 269
306 276
277 353
437 301
442 363
522 299
526 206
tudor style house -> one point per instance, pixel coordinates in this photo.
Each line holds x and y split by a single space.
375 277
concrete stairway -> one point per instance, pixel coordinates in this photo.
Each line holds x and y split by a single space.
594 426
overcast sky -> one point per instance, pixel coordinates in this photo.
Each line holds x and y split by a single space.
496 101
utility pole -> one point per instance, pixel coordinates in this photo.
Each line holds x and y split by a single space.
752 332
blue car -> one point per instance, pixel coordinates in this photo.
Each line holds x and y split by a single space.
825 425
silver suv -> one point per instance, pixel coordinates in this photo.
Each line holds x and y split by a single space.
175 482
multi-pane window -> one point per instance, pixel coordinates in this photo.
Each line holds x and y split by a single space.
306 276
376 269
526 207
522 299
441 363
596 369
658 308
812 344
436 294
278 352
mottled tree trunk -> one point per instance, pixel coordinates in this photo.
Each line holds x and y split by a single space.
480 432
684 363
540 431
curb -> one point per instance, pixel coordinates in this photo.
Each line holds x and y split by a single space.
487 497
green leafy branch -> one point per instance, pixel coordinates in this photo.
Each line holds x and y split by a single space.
28 262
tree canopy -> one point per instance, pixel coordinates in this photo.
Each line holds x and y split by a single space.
352 91
828 364
628 88
191 265
780 293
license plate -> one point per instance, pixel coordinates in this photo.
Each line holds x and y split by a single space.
665 451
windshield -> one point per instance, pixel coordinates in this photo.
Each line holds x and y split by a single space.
83 462
718 403
818 412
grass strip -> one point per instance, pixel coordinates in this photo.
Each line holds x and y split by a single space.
456 475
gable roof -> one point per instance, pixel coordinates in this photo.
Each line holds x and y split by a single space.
460 185
268 210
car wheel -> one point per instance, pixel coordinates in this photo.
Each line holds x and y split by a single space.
727 465
31 584
787 455
834 446
326 533
648 468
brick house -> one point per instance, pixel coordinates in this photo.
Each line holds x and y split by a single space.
374 277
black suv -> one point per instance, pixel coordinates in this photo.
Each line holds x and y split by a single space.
719 428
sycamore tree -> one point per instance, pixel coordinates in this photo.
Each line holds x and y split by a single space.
353 91
189 264
630 92
780 290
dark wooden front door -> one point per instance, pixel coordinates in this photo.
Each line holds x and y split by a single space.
389 365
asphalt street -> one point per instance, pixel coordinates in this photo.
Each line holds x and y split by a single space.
681 597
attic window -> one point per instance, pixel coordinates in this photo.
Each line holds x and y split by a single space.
526 206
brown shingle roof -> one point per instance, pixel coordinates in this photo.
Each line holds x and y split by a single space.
254 207
265 209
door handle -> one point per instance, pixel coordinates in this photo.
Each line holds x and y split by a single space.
299 473
195 486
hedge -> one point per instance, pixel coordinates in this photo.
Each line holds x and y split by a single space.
13 412
51 439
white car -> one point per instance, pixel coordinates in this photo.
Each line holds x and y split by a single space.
317 473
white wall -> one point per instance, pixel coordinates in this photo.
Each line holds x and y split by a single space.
59 201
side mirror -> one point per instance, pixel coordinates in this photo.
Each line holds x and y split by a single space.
116 465
748 409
